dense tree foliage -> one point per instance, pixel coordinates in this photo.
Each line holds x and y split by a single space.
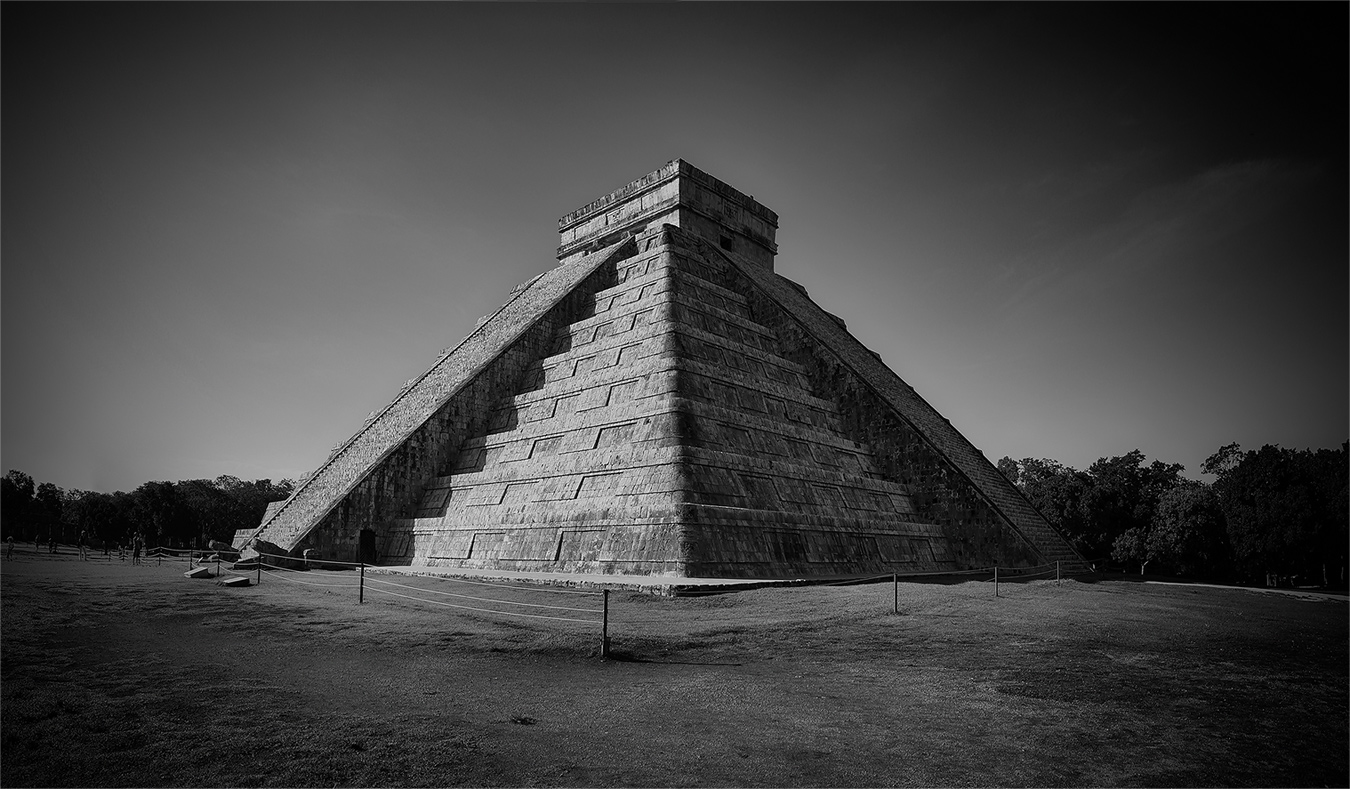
1286 510
16 499
1185 534
188 512
1057 491
1122 495
1270 511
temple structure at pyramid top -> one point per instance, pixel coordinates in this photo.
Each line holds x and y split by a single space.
679 195
662 403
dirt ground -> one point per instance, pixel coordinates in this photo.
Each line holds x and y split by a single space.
114 675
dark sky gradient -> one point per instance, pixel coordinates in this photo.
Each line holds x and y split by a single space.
231 231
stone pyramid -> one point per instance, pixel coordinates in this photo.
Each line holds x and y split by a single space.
661 402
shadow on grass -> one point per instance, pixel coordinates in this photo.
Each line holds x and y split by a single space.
1177 580
620 656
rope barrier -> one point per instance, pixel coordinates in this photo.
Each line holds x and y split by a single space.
853 581
285 574
391 570
701 623
531 588
280 574
1019 576
727 589
484 599
979 571
865 578
845 582
351 565
485 610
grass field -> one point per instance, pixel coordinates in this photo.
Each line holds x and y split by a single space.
113 675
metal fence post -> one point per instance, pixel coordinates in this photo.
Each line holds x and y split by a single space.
1056 572
260 570
895 584
361 595
995 580
604 629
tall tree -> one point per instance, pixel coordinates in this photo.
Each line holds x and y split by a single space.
160 514
1186 535
1122 495
1057 492
222 506
16 503
1095 508
1332 468
1285 510
48 507
211 508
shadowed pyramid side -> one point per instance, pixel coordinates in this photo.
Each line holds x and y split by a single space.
776 488
984 518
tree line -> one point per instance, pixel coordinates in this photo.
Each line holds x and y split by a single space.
187 513
1270 511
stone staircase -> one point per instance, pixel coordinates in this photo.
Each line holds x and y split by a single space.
430 405
666 402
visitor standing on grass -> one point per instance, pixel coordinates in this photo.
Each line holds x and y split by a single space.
136 549
9 547
84 541
51 543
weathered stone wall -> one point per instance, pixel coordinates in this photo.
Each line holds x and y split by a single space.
576 469
952 484
678 194
652 199
664 436
739 543
394 486
775 486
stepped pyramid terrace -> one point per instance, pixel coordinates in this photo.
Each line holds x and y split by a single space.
662 403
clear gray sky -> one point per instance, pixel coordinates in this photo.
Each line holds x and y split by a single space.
231 231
